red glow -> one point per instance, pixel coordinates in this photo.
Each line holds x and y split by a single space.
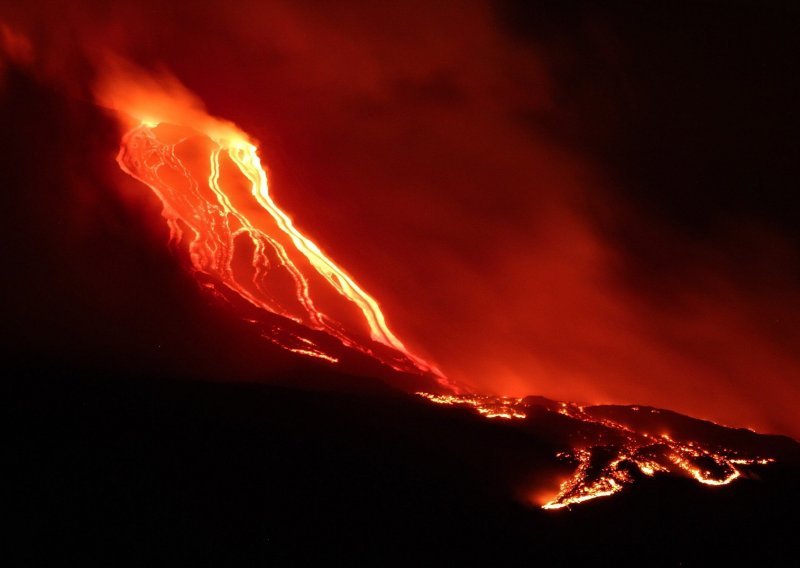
421 147
603 464
236 233
525 295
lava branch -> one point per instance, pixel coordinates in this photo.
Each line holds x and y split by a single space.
214 224
598 476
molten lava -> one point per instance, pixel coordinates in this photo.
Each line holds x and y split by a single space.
612 458
217 203
238 236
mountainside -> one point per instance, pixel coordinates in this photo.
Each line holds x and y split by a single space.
149 423
141 471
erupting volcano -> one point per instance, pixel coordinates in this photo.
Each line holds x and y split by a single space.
217 203
475 282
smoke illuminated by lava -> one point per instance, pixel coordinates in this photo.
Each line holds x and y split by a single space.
427 150
217 202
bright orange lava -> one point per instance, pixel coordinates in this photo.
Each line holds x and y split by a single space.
222 223
605 469
226 216
217 203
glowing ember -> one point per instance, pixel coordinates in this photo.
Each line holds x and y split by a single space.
487 406
606 468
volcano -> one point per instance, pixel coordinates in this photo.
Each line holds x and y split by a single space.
151 420
209 363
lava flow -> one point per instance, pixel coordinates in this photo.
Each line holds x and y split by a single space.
610 455
241 239
217 203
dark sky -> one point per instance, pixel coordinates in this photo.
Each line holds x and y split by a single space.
593 203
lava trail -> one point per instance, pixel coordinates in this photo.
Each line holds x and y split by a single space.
611 459
217 203
216 199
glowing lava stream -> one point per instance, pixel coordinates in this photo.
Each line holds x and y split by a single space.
217 223
228 219
218 210
596 476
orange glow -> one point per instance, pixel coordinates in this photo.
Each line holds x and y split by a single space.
486 406
596 475
561 283
217 204
222 210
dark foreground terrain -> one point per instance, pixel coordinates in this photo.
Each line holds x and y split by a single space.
114 470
